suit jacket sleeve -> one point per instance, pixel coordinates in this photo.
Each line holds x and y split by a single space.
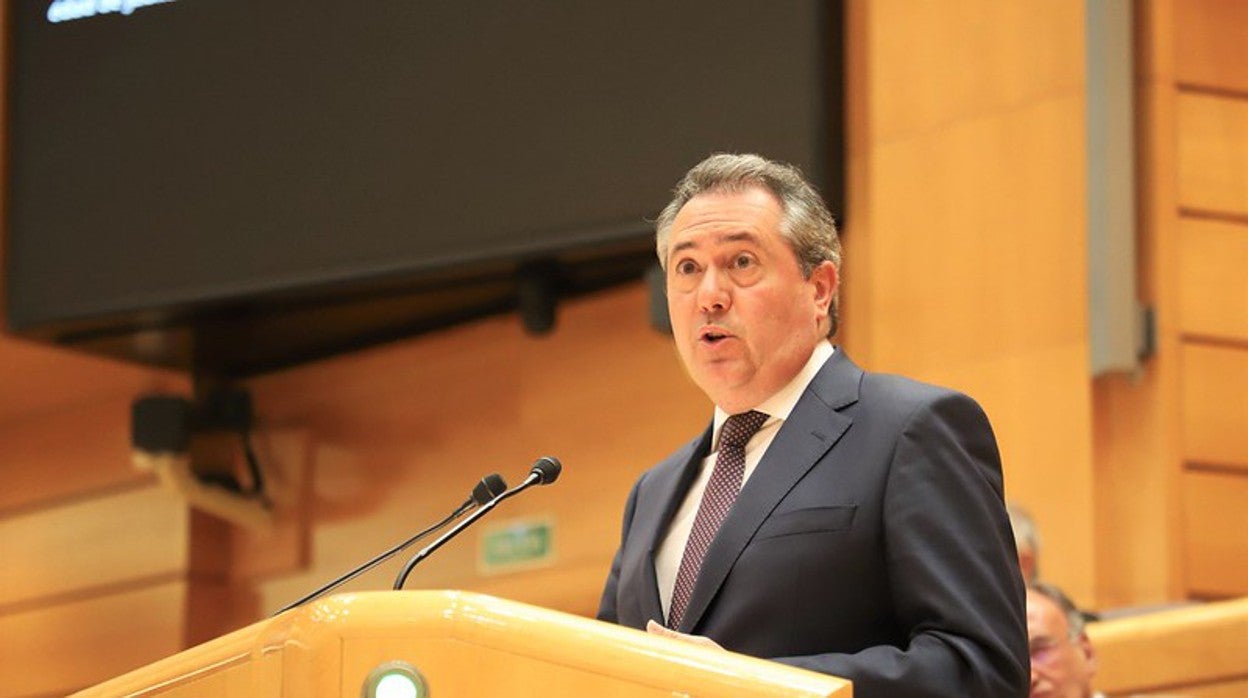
951 566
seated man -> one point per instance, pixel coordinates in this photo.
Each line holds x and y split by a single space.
1062 659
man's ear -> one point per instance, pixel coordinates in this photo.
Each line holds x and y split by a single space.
825 279
1089 653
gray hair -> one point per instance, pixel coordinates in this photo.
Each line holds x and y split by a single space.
807 224
1026 535
1074 617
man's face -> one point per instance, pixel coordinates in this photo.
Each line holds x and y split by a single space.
744 317
1061 666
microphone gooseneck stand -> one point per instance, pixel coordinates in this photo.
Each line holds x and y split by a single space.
484 494
545 471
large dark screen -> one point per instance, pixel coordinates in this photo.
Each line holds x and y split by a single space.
195 156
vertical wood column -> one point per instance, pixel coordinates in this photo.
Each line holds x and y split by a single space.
1137 417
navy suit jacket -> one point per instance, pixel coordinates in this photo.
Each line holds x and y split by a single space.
871 542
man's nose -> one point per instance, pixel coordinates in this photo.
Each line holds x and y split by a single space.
714 294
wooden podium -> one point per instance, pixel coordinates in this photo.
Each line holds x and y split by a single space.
461 644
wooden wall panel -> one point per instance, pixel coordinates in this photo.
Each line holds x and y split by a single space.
1213 285
66 454
1211 56
1193 55
1137 462
58 649
1214 534
927 67
42 380
1213 153
92 544
286 456
1211 43
1214 406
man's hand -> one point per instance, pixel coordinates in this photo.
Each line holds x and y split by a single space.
656 629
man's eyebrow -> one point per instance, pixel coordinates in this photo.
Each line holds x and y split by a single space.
738 236
686 245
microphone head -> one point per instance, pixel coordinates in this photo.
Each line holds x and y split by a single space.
490 487
547 469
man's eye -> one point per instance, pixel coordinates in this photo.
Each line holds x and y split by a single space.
686 267
743 262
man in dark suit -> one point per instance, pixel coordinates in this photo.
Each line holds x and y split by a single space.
834 519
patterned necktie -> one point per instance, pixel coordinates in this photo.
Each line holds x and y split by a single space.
721 492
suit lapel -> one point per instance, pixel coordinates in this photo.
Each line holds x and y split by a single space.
811 430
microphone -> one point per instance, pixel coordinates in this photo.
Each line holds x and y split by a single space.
490 488
545 470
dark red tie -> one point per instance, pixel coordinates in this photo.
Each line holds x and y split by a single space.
721 492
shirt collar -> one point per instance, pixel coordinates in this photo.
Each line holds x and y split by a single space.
780 405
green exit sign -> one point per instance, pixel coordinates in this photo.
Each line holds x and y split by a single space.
517 544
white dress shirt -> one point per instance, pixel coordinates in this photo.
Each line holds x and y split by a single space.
777 407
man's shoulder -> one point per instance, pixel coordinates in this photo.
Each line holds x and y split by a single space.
891 388
904 388
903 397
